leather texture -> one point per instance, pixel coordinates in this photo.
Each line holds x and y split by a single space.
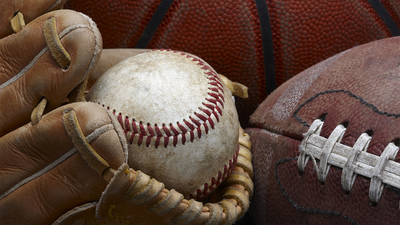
30 10
66 163
358 89
29 72
177 115
43 175
132 197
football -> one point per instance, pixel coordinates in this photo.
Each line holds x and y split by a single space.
325 143
260 43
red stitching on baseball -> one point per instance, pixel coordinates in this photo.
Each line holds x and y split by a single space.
207 112
157 143
215 182
183 139
166 131
191 127
205 127
140 139
201 117
198 132
142 130
192 136
166 141
181 127
176 132
215 80
211 100
209 106
212 104
218 98
151 131
195 121
216 115
205 188
119 117
205 67
148 140
158 131
127 127
218 178
219 110
134 127
211 123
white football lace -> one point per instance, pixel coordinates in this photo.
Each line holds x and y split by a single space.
353 160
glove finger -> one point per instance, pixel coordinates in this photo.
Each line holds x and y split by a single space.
29 9
44 175
29 70
110 57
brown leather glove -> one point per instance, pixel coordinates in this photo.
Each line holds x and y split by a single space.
15 14
50 58
69 165
73 161
63 161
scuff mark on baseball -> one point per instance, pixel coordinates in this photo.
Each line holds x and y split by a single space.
179 118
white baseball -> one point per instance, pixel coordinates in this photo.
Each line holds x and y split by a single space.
179 118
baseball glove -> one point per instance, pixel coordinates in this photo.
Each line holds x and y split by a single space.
67 164
71 168
47 60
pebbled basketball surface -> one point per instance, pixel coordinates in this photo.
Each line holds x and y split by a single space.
255 42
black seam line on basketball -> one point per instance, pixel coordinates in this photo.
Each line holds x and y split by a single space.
385 16
153 24
302 208
362 101
268 48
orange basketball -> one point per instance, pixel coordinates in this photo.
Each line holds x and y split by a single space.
259 43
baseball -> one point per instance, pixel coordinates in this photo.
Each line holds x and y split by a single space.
179 119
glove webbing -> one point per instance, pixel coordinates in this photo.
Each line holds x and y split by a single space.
237 188
56 49
18 22
61 56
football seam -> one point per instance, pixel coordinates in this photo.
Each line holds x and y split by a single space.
297 117
303 208
362 101
352 160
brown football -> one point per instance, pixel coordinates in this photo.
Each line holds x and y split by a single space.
259 43
325 142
